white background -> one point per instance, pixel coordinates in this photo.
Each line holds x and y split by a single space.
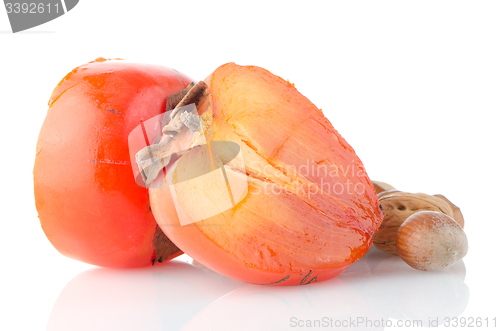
414 87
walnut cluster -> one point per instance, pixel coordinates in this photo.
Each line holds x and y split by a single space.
398 206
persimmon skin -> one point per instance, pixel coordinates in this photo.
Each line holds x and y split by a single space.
289 235
89 204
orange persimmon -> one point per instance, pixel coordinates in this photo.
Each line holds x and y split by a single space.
303 208
88 202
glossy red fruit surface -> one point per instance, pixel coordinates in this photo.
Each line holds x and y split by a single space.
89 204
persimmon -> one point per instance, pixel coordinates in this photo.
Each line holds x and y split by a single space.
301 205
89 204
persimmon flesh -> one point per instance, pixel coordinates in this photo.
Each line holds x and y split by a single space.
310 209
89 204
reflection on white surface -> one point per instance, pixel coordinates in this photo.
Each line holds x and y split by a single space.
376 290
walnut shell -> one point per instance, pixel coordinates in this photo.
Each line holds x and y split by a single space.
457 214
381 186
397 207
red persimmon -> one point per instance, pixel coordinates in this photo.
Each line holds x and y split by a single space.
89 204
302 208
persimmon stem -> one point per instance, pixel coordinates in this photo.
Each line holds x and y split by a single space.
174 99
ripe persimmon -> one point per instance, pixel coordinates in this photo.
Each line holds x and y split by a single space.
88 202
302 208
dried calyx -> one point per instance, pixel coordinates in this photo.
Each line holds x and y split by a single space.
153 158
178 124
181 128
164 247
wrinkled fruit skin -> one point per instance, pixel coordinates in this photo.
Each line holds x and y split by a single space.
88 202
310 211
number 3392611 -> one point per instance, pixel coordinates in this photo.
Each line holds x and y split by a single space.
31 8
477 322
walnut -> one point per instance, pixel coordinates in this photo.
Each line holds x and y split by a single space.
457 214
381 186
397 207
